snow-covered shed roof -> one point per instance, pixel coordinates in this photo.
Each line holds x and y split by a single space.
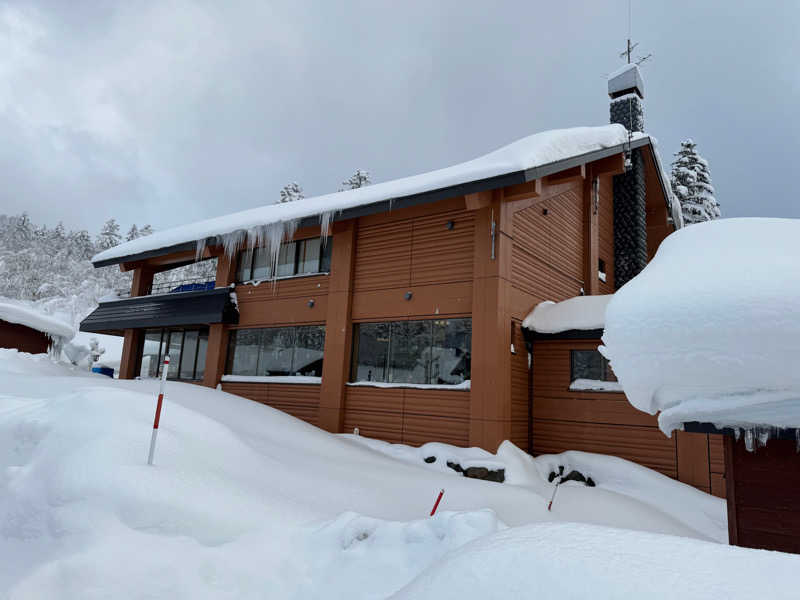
524 160
22 315
709 331
583 313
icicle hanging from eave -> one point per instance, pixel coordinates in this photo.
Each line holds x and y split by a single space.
325 220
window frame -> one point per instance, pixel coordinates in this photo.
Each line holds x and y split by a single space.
323 260
231 348
605 365
166 334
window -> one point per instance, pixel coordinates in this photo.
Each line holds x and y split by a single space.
186 348
302 257
434 351
591 365
277 351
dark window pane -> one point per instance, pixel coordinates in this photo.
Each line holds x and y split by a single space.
308 256
262 269
202 347
243 352
372 358
327 250
150 353
409 354
188 355
275 355
286 257
243 272
309 344
590 364
450 353
174 351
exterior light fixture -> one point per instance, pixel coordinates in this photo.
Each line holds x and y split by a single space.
450 225
311 303
408 295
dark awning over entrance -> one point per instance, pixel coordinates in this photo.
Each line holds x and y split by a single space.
165 310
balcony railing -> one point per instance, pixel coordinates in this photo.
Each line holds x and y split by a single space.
196 284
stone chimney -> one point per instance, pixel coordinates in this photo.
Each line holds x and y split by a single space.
626 90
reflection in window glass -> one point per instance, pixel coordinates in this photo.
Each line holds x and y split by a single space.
243 353
202 348
309 345
372 352
150 353
414 352
590 364
275 352
286 257
188 354
261 267
245 265
308 256
174 351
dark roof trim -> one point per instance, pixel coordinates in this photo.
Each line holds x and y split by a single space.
571 334
469 187
788 433
163 310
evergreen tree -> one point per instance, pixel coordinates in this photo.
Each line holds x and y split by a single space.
358 179
291 192
133 233
109 236
691 183
146 230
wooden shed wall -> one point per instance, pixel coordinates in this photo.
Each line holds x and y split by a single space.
764 495
24 339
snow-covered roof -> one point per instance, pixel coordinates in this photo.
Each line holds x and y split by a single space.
581 313
532 152
710 330
22 315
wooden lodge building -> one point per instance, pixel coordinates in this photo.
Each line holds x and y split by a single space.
401 314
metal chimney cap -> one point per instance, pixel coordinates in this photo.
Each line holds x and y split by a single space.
626 80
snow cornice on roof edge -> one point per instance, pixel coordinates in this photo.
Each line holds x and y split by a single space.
524 160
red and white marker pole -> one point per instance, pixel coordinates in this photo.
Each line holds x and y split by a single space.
436 504
158 410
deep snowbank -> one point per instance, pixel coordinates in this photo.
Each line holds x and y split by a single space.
14 312
710 330
574 561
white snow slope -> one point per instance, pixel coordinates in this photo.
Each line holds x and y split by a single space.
247 502
23 315
710 329
536 150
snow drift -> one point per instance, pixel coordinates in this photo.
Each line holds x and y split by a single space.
581 312
23 315
710 329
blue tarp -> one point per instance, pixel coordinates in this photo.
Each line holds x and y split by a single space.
194 287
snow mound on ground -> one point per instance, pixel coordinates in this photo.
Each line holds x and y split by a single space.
710 329
23 315
697 510
580 312
535 150
562 561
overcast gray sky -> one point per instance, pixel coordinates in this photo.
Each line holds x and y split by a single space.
171 111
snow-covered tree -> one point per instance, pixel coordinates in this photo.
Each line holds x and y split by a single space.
358 179
133 233
146 230
691 183
291 192
109 235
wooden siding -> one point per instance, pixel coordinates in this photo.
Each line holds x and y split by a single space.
299 400
605 222
764 495
601 422
407 415
283 302
24 339
520 391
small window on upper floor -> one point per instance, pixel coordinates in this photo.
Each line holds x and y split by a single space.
590 365
301 257
601 270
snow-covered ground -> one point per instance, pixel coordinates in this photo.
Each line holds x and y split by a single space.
245 501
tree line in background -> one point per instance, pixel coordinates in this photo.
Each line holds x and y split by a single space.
691 184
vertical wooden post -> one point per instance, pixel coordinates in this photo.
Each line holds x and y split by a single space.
131 345
338 328
591 249
218 332
730 489
692 461
490 394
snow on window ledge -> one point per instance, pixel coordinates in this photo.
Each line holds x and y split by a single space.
303 379
595 385
464 385
257 282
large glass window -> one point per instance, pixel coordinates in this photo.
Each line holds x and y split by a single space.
186 348
301 257
590 364
277 351
435 351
